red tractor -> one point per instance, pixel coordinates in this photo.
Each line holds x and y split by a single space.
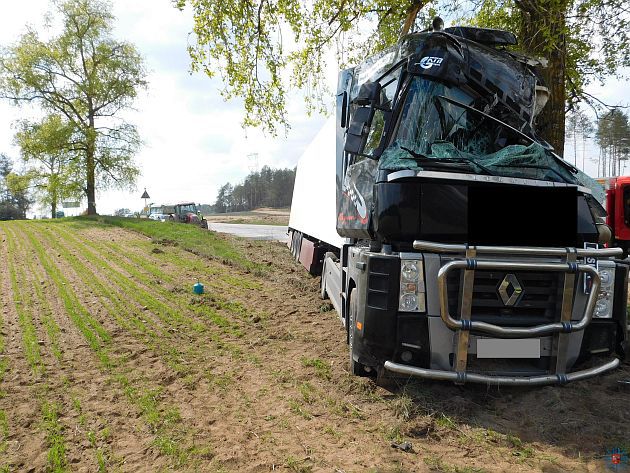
618 209
185 213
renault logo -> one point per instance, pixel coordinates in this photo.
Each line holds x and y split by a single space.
510 290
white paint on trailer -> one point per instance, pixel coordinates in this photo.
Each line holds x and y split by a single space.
314 205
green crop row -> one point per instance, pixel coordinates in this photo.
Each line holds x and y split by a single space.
23 301
189 237
164 422
143 276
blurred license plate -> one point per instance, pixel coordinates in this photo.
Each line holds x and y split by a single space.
508 348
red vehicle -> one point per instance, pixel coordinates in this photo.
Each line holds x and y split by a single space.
185 213
618 209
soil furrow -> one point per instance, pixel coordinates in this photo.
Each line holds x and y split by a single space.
261 384
110 296
83 398
145 381
25 442
130 283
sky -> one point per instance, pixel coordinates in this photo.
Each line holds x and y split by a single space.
193 140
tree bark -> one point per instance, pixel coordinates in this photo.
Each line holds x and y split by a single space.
412 13
90 164
53 210
543 35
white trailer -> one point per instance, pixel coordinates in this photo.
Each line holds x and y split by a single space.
313 220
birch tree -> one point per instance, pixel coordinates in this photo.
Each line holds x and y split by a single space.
88 77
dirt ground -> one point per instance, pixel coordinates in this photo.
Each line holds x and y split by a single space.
262 216
109 362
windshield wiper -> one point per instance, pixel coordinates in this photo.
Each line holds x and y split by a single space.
423 158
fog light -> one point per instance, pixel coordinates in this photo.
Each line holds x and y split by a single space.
406 356
605 277
408 302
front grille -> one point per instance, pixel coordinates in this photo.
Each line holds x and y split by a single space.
382 273
539 303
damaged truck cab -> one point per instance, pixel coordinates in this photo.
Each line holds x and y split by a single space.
471 252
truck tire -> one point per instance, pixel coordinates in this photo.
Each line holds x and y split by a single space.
322 283
356 368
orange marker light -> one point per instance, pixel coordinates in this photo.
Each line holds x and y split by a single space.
359 325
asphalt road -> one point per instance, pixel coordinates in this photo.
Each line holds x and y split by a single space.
256 232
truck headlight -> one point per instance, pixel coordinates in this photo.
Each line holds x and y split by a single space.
604 305
411 285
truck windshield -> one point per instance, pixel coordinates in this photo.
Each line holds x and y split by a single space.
441 126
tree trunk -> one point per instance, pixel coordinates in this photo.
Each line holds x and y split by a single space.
52 186
543 28
90 164
412 13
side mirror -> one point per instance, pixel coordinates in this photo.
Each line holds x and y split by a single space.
358 130
342 109
369 94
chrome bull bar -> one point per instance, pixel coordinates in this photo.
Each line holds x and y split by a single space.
464 325
515 332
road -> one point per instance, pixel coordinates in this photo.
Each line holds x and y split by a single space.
257 232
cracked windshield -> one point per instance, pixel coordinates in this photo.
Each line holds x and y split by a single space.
439 128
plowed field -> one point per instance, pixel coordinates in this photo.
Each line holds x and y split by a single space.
109 362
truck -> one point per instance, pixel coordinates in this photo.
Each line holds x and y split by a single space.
453 243
618 210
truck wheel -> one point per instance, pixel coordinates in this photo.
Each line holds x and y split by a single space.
356 368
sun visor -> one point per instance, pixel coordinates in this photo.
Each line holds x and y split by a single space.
440 57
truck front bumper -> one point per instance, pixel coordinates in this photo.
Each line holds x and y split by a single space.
561 330
467 377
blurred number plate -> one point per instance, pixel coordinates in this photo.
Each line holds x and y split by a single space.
508 348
